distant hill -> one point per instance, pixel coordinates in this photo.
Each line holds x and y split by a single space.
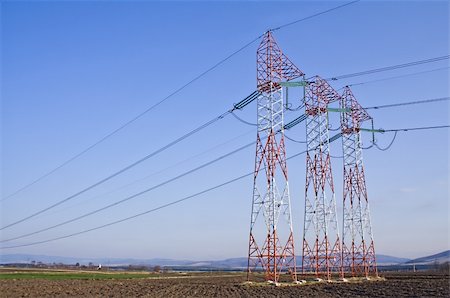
232 263
439 258
389 260
25 258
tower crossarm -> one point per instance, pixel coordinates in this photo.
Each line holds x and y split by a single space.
319 94
273 66
353 114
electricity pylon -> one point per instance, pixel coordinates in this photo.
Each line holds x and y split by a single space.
271 242
358 250
321 244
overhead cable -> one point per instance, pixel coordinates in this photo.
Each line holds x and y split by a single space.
314 15
132 196
145 212
395 77
243 121
409 64
408 103
163 100
293 140
388 146
416 128
291 124
130 217
107 136
192 132
221 145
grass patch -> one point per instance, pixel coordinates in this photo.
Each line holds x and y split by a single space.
72 275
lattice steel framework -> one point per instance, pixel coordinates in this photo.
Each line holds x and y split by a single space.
321 243
271 248
358 250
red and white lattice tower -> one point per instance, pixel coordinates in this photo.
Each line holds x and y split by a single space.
321 243
358 251
271 243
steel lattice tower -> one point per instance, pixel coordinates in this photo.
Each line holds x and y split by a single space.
321 243
358 251
271 248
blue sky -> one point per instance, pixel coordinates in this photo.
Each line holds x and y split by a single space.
71 72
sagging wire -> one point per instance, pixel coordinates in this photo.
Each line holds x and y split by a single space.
132 120
390 144
296 141
409 103
242 120
151 210
239 106
131 197
387 68
330 127
314 15
396 77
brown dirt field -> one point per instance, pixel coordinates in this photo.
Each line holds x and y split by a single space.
226 285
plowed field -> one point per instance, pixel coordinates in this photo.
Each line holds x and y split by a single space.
223 285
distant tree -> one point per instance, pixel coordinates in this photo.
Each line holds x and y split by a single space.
77 264
157 268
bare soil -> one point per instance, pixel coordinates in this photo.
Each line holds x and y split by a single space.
228 285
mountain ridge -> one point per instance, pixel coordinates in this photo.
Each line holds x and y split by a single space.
238 262
439 258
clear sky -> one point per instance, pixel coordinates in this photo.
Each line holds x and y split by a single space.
71 72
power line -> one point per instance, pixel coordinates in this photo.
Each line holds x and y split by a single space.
314 15
388 146
396 130
291 124
132 196
396 77
408 103
176 141
293 140
132 120
163 170
243 103
212 121
243 121
154 209
140 214
133 216
387 68
416 128
236 106
336 137
161 101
